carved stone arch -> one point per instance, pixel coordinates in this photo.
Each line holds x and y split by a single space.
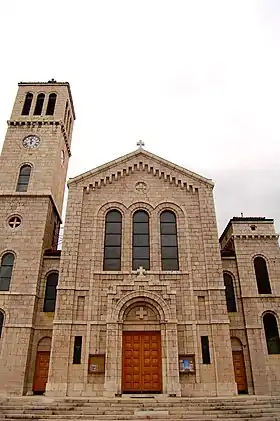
173 207
150 297
270 311
44 344
104 209
236 344
141 206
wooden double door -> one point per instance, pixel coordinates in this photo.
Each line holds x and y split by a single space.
141 362
41 372
239 371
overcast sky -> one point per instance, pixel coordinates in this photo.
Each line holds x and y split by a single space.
198 81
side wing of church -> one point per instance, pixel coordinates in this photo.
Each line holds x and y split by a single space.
143 298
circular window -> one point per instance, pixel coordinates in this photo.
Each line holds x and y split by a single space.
14 221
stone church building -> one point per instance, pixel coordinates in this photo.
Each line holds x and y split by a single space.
144 297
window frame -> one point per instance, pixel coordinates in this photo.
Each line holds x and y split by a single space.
50 110
263 285
108 248
27 104
164 248
230 300
47 298
77 351
5 254
19 179
39 104
136 244
271 341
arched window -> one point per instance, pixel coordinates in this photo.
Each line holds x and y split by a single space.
27 103
6 270
271 333
113 241
169 242
65 112
1 322
51 104
50 292
141 241
39 104
230 297
23 178
262 275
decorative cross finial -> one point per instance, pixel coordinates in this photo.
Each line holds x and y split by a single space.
140 271
140 144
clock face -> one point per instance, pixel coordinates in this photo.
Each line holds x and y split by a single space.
31 142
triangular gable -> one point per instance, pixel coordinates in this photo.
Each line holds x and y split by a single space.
172 171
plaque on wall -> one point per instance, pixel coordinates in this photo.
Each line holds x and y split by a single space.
186 364
96 364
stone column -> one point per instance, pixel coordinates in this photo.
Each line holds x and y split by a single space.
113 354
172 360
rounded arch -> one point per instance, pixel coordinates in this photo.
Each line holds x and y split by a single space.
39 103
51 103
134 207
271 331
6 270
169 206
260 264
150 297
236 343
229 291
137 304
104 209
44 344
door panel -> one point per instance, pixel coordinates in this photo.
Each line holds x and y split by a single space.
239 371
142 362
41 371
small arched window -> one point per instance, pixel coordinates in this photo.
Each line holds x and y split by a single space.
113 241
1 322
169 242
23 178
27 103
271 333
39 104
65 112
141 241
262 275
230 297
6 270
50 292
51 104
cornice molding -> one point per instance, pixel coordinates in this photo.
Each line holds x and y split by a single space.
38 123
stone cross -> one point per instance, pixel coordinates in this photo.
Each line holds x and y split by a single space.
140 144
14 222
141 313
141 271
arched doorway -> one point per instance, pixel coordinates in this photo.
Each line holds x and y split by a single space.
239 365
141 350
42 366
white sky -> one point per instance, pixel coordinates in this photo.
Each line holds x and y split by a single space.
198 81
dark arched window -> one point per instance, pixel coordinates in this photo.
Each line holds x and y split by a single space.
27 103
141 241
39 104
271 333
169 242
262 275
230 297
23 178
1 322
51 104
50 293
65 112
6 270
113 241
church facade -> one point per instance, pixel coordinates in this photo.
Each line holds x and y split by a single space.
143 298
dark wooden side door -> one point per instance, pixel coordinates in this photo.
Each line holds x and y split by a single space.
141 367
239 371
41 371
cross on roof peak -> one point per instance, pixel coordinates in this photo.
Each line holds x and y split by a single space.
140 144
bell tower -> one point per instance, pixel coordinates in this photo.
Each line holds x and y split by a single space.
33 168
